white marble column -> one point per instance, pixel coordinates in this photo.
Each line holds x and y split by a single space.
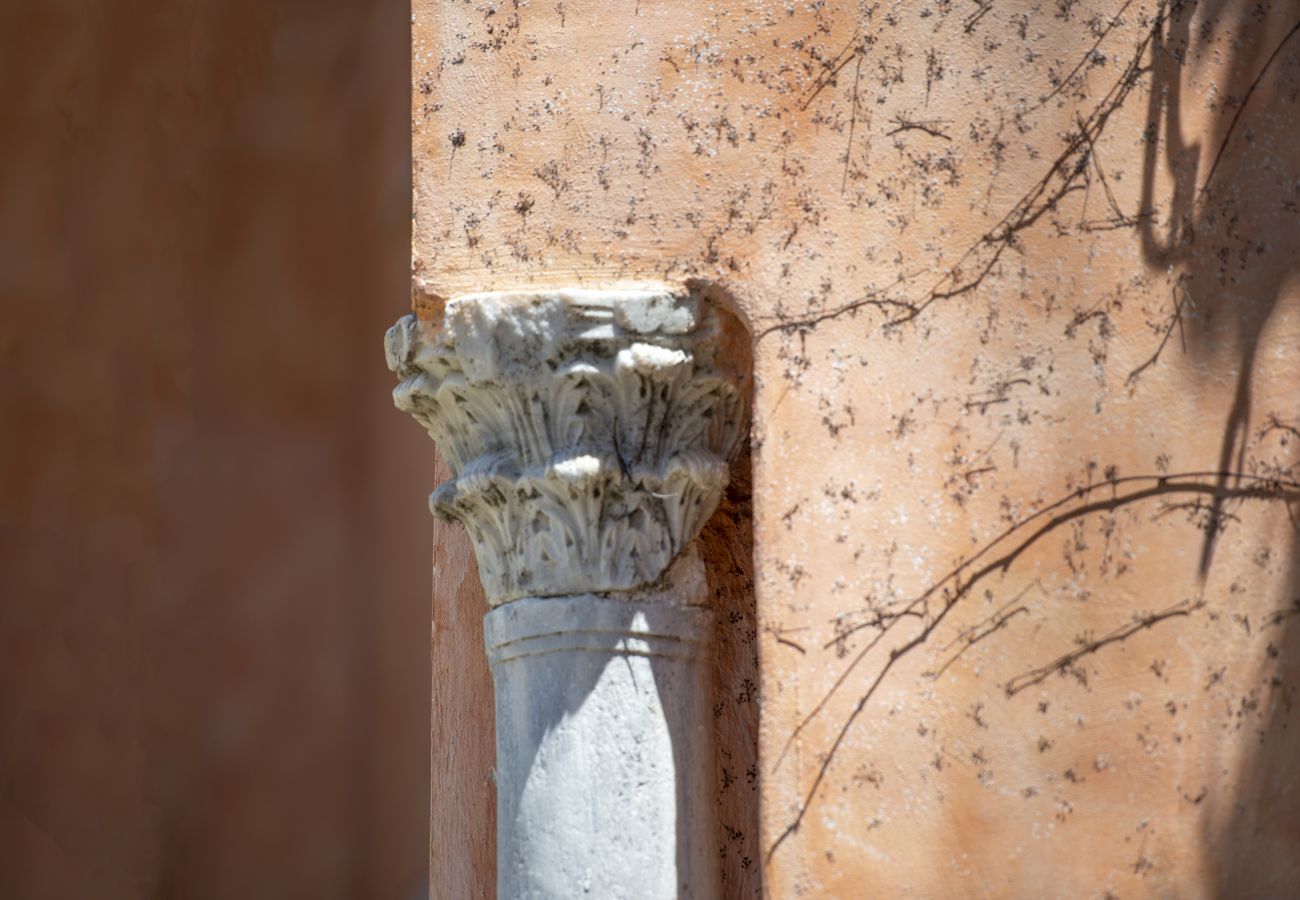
589 436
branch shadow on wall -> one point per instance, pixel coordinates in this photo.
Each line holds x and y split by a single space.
1232 236
1234 233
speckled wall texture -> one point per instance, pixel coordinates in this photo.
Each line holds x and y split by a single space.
1024 289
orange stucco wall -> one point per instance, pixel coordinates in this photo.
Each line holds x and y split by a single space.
1022 282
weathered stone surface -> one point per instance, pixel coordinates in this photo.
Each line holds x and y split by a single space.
604 747
589 433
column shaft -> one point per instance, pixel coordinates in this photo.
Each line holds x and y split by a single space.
604 749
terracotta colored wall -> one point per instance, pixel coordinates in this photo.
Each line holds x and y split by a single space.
213 542
1023 284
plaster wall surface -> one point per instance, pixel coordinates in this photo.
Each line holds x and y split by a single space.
213 544
1022 283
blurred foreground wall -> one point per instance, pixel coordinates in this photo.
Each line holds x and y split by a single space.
213 569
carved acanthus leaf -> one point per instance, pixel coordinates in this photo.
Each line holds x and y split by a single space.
588 432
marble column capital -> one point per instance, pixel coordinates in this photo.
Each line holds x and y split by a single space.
588 432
